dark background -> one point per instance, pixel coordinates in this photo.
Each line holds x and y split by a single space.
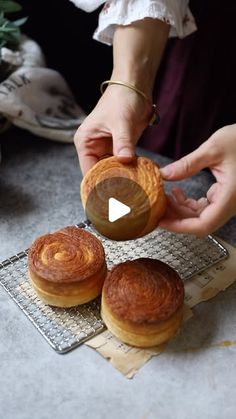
65 33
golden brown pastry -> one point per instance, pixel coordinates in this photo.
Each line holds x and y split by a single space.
137 184
142 302
67 267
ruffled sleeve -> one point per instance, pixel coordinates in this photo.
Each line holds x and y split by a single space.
123 12
88 6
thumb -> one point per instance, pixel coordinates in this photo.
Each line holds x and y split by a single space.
187 166
124 144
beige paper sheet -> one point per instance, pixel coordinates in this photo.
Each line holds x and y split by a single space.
202 287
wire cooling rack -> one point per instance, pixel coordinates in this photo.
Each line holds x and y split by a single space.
65 329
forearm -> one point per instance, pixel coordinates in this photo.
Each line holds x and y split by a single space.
120 116
137 52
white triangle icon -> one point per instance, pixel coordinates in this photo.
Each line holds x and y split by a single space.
116 210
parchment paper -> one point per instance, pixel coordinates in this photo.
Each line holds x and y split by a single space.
202 287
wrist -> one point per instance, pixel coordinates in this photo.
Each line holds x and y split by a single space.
139 77
154 116
137 51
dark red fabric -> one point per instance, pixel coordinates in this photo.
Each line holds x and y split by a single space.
195 89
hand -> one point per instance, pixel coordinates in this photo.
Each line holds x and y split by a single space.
121 115
113 127
202 217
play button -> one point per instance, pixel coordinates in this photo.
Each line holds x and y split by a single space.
116 210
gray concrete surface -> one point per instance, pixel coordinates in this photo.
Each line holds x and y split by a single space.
39 192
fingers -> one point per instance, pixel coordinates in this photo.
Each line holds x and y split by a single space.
124 143
206 223
91 149
87 162
187 165
195 205
202 204
93 143
180 207
207 218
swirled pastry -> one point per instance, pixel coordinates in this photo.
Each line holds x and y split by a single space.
67 267
142 302
138 185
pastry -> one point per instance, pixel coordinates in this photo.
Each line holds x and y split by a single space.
142 302
67 267
138 185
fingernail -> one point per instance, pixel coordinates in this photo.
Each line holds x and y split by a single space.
125 152
167 171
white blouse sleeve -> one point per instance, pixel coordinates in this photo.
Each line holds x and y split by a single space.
88 5
123 12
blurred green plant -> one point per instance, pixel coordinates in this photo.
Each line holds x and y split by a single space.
10 31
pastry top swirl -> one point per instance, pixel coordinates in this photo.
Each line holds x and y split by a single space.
141 170
68 255
143 290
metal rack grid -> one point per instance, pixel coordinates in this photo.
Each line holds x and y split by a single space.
65 329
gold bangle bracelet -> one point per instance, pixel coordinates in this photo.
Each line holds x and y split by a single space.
155 119
121 83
